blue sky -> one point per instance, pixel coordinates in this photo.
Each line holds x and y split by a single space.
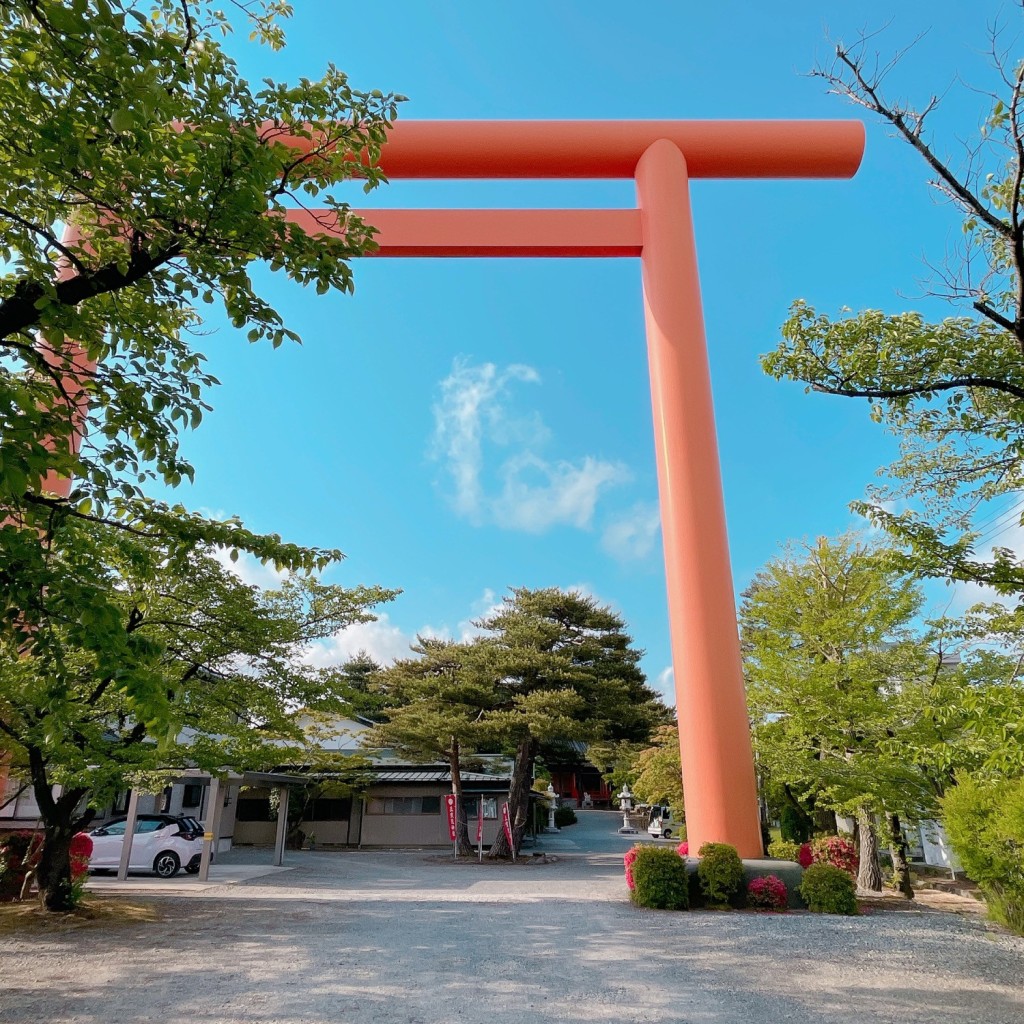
458 427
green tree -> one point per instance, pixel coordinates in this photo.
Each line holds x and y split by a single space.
136 128
151 657
658 773
437 707
568 674
829 644
950 390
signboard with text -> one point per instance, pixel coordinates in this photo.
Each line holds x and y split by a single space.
449 805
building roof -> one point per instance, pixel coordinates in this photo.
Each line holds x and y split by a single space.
432 774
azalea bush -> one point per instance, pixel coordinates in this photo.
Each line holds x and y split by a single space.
720 872
683 849
838 851
767 893
658 877
80 853
629 860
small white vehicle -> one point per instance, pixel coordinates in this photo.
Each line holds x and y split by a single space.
162 844
664 824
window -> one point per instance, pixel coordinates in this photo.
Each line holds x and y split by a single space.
328 809
117 829
472 809
403 805
149 825
253 809
192 795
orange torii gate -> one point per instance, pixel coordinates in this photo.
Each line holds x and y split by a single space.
662 157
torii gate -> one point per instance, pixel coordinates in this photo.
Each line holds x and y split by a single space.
662 157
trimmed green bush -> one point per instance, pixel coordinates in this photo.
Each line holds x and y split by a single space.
720 872
564 816
783 849
985 825
828 890
659 879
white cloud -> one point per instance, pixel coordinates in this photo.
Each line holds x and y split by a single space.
525 490
384 641
632 537
665 684
381 639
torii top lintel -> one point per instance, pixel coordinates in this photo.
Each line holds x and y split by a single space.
612 149
573 149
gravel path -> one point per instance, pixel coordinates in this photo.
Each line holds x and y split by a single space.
408 938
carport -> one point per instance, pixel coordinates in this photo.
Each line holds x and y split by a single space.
277 781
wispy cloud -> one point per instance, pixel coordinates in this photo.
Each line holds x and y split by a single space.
632 536
476 423
665 684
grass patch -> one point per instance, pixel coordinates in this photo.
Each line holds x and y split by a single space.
94 911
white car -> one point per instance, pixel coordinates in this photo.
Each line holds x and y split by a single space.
162 844
663 823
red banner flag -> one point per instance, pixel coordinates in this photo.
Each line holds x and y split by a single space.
480 820
506 824
449 803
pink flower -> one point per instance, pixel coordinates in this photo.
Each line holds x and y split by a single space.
683 850
805 857
628 860
767 893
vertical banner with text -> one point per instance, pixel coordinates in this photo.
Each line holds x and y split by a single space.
449 804
506 824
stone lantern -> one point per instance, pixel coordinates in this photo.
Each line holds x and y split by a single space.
626 805
552 801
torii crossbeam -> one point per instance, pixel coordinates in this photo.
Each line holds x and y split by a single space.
662 157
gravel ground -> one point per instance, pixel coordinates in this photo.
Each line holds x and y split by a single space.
411 939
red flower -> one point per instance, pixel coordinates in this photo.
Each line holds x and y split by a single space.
805 857
767 893
683 850
80 852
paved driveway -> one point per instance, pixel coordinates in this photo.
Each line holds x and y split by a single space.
409 937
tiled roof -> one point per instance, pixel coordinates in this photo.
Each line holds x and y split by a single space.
434 775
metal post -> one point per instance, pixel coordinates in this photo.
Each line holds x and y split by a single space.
714 732
129 834
283 793
209 835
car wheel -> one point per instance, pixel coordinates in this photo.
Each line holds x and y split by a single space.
192 871
667 834
166 864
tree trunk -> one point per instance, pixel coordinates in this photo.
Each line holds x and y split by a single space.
53 873
869 875
463 847
518 801
898 848
60 823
